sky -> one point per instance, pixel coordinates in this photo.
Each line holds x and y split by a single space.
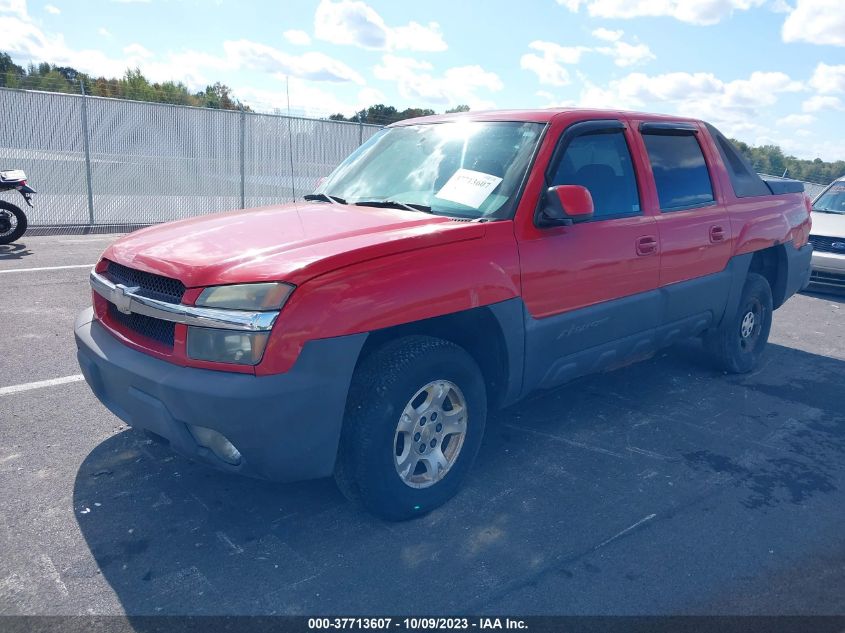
763 71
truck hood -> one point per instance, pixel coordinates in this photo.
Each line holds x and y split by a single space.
292 243
828 224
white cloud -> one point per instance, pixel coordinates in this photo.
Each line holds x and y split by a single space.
416 81
14 7
607 35
625 54
828 79
735 106
26 42
103 31
189 67
548 72
760 89
310 65
306 99
818 103
691 11
369 96
826 149
136 50
550 66
52 9
417 37
816 22
356 23
297 37
796 120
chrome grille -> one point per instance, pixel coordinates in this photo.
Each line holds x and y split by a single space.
824 278
148 327
148 284
825 244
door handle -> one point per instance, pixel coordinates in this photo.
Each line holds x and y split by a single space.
717 234
646 245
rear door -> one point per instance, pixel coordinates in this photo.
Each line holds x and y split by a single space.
692 222
590 288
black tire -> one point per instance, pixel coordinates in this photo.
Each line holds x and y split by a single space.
383 384
19 230
733 351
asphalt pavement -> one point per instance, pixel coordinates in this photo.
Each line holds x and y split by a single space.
661 488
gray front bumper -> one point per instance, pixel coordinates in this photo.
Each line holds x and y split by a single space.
286 426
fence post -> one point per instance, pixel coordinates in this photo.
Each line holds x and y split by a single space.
243 158
360 132
290 154
86 146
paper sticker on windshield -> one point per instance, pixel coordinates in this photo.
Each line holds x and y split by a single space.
468 187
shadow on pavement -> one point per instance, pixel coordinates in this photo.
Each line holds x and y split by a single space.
14 251
830 295
646 490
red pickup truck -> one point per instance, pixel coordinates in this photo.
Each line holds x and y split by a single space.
450 265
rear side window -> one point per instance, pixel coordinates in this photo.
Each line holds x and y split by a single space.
680 171
744 180
601 162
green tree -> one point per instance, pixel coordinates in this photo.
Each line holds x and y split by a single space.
770 159
136 87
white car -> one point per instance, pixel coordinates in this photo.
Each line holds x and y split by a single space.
828 238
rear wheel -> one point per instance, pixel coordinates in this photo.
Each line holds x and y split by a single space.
738 344
12 222
415 418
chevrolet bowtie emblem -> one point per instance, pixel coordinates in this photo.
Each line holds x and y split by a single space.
122 299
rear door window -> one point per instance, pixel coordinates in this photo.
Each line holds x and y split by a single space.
680 171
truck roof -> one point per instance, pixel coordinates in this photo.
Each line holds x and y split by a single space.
543 115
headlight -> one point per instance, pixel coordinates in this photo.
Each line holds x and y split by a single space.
226 346
262 296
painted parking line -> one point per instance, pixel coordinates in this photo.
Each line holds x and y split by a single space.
30 270
27 386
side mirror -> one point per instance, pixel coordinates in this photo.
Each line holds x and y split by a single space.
565 205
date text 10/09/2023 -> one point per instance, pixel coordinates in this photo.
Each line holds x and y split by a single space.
414 624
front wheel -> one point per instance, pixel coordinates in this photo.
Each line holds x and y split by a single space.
415 418
739 342
12 222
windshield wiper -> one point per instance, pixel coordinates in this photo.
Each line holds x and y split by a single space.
393 204
324 197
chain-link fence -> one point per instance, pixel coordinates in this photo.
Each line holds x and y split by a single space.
111 164
99 163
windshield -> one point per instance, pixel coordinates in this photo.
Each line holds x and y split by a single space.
832 200
469 169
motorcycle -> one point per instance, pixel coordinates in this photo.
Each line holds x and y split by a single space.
13 220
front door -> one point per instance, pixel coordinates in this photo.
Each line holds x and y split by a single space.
590 289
